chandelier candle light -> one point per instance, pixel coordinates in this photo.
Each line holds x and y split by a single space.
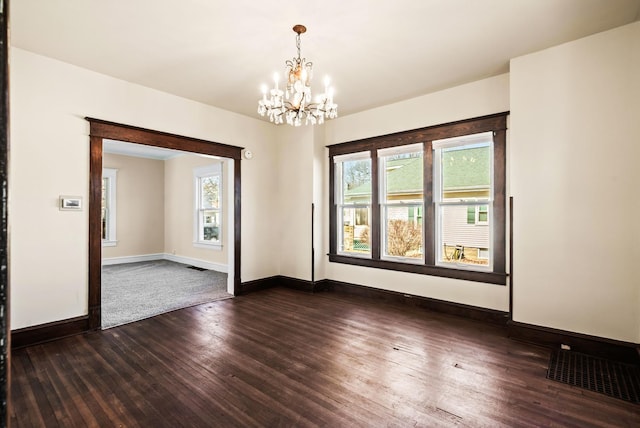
295 103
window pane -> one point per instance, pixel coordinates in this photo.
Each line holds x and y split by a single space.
471 215
356 181
483 213
210 225
462 241
210 188
355 230
466 172
403 229
403 177
104 219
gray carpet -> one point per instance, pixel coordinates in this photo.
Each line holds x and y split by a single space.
134 291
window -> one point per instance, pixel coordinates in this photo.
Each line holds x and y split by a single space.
478 214
428 201
108 209
354 203
463 186
402 201
208 206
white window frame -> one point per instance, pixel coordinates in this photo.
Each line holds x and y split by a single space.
439 203
341 205
198 174
111 174
385 205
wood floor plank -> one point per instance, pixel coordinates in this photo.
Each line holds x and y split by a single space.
70 402
23 392
282 357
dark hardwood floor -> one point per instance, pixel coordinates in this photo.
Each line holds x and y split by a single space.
281 357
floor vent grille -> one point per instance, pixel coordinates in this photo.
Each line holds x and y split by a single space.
608 377
199 269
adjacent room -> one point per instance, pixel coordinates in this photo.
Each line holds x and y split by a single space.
235 213
162 218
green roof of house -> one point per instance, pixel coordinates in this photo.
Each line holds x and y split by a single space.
471 171
466 168
404 175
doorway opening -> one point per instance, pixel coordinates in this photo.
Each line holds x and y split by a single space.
228 156
166 224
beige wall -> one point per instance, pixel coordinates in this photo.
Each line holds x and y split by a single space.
140 206
574 151
50 157
179 210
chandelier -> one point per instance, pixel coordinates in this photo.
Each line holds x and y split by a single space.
295 104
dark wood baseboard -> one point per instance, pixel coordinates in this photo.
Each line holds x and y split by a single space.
283 281
322 285
50 331
458 309
586 344
258 284
296 284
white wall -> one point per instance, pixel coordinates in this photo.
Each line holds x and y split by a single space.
320 201
574 152
294 195
463 102
50 157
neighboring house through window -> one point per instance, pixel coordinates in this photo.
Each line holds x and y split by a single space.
428 201
208 206
108 212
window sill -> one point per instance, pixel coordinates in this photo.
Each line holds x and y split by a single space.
356 255
109 243
208 246
464 267
407 260
467 275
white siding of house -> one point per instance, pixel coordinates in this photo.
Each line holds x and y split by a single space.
456 231
397 213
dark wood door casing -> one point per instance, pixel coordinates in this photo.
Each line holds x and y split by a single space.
100 130
5 345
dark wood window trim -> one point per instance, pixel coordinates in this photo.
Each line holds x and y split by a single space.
496 123
99 130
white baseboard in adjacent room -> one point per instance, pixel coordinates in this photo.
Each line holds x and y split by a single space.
218 267
133 259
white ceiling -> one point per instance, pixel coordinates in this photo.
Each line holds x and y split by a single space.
139 150
220 52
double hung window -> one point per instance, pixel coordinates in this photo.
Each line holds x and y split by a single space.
108 209
463 192
354 196
208 210
428 201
